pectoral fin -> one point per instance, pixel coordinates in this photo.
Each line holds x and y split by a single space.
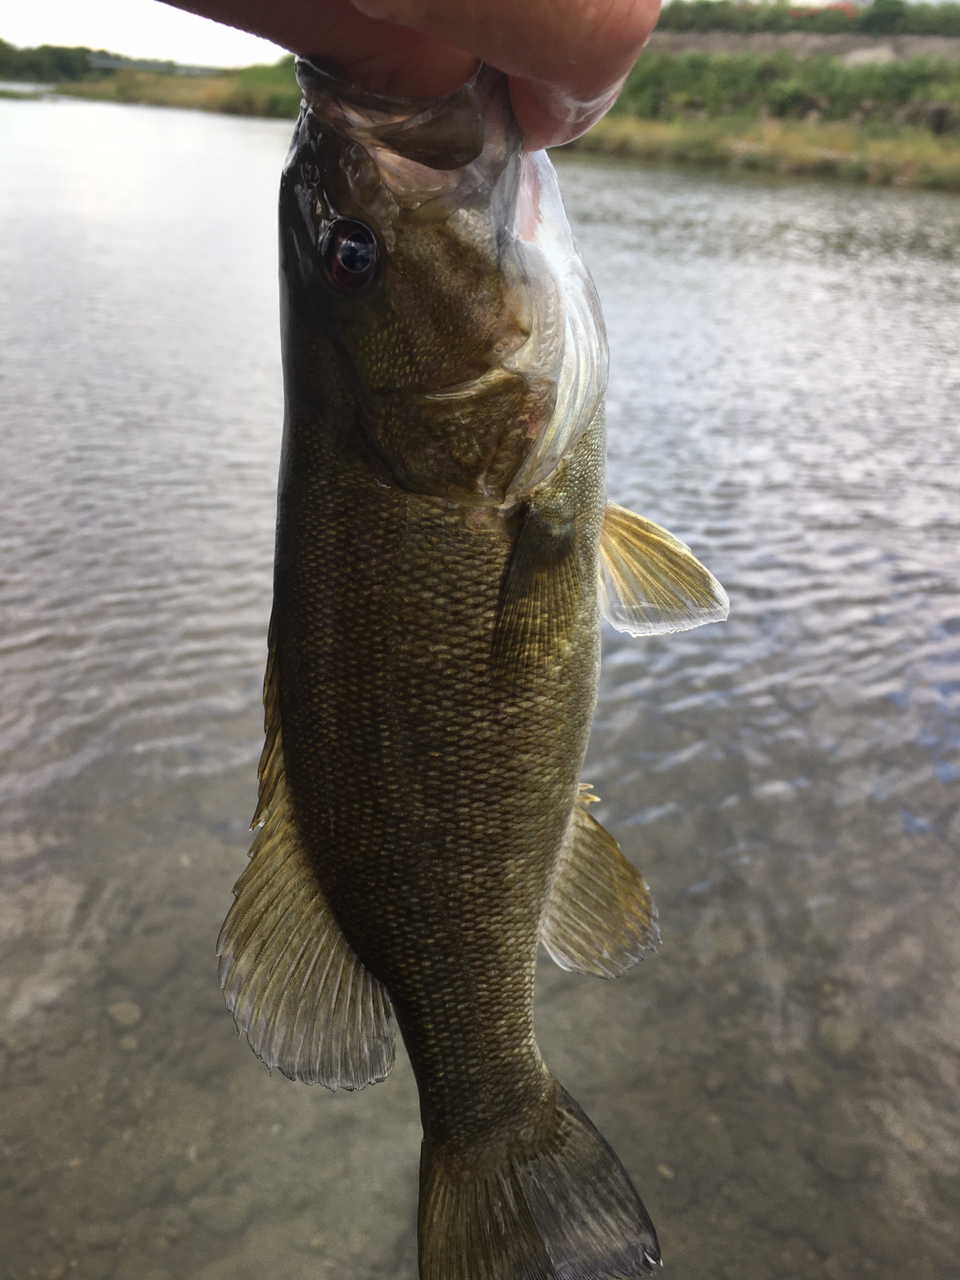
650 581
294 984
600 917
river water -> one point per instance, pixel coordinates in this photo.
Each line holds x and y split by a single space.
781 1079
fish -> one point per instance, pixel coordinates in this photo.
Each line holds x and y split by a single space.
444 553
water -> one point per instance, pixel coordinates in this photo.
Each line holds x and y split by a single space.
781 1079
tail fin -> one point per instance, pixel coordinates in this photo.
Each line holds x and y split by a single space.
561 1208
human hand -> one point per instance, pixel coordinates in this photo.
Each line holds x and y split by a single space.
566 59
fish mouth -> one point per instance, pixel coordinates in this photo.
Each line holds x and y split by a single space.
440 133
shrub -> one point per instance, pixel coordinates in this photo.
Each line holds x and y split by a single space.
47 64
667 86
882 17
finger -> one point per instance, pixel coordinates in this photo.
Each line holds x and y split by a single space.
571 56
380 55
548 117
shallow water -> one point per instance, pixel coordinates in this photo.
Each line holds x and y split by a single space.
781 1079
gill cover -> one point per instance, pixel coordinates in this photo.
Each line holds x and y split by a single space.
437 261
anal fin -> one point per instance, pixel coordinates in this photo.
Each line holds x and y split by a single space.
600 917
293 983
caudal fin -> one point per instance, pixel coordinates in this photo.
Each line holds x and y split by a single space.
557 1208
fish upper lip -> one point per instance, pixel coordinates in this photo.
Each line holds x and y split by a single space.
323 75
417 128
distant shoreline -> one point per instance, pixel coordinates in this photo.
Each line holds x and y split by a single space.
253 91
846 150
908 157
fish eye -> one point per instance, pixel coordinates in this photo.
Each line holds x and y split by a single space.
350 254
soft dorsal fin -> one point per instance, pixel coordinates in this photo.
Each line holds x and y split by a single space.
600 917
291 980
650 581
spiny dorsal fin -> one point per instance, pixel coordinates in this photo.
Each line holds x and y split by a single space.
600 917
650 581
539 598
291 980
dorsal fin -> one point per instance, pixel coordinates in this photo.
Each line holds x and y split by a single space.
600 917
293 983
650 581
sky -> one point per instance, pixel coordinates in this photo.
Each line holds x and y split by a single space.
136 28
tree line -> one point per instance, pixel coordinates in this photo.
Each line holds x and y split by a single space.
47 64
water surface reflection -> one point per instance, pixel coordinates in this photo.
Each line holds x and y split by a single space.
781 1078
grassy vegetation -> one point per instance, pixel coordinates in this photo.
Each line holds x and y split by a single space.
883 17
893 122
668 87
884 123
252 91
662 87
906 157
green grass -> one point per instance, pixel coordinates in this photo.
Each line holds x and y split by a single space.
252 91
772 114
666 86
883 17
906 157
892 123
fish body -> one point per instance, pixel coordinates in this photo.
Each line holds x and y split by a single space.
444 545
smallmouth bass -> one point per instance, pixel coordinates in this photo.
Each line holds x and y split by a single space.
444 550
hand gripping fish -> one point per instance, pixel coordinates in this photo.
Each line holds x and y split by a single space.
444 553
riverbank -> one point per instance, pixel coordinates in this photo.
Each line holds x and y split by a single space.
907 157
768 113
250 91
